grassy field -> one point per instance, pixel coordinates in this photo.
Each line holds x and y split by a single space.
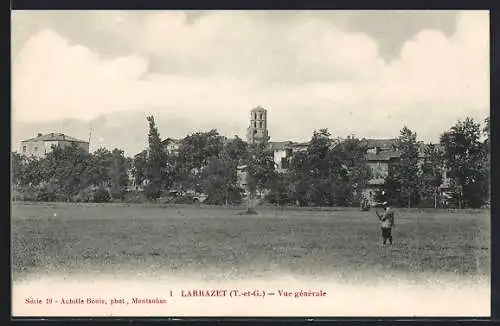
221 243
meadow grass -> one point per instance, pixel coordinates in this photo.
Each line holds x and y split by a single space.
216 242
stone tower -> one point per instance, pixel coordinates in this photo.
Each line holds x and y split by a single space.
257 131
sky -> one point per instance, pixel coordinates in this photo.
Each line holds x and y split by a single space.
97 74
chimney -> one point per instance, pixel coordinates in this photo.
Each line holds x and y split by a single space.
39 134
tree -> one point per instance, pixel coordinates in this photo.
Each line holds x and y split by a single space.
155 161
195 151
486 166
219 176
407 168
102 160
260 171
35 172
431 172
235 149
18 168
168 168
219 182
139 167
299 178
319 154
356 173
486 131
317 175
391 189
17 172
280 190
325 171
118 174
66 170
464 155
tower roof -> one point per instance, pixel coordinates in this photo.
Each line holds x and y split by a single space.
258 109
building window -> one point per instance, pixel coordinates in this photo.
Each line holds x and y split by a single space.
260 124
255 116
255 124
24 149
261 116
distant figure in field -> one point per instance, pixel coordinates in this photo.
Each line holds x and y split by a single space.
387 223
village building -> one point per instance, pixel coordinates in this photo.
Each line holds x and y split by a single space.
380 155
172 145
41 145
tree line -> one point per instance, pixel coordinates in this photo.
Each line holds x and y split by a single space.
463 152
329 172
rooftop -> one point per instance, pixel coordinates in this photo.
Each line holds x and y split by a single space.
382 156
380 143
259 109
171 141
54 136
280 145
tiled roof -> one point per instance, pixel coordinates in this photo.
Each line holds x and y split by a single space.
381 143
382 156
294 145
55 137
281 145
171 141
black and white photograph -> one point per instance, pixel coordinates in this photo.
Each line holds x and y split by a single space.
232 163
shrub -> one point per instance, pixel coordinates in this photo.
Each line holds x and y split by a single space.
426 203
26 194
152 191
85 195
117 194
101 195
134 197
184 199
47 192
234 196
278 198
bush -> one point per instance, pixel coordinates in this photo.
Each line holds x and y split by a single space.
234 196
47 192
425 203
183 199
152 191
278 198
26 194
134 197
84 196
117 194
101 195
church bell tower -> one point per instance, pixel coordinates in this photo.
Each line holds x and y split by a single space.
257 131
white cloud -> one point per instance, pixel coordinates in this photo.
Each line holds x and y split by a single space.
307 72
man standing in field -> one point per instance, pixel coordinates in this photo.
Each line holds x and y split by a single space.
387 221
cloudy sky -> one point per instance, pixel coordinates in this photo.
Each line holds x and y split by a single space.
353 72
